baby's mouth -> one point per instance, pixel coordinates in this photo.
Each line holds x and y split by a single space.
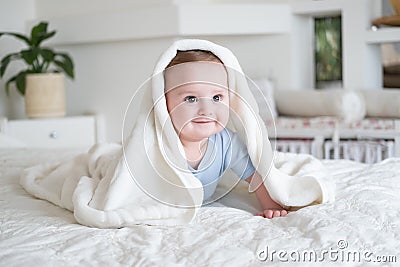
203 120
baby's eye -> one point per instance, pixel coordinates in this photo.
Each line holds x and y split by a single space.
217 98
190 99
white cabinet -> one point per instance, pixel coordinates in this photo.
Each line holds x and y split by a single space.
80 131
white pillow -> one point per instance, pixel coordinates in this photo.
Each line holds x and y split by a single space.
7 141
263 91
348 105
382 103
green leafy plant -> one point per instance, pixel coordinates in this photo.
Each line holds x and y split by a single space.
38 58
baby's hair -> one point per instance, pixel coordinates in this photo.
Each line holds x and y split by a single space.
193 55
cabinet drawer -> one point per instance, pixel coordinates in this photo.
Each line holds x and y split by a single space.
57 132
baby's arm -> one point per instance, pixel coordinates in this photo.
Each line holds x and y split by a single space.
271 209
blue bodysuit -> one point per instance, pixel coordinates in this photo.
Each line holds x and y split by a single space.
224 150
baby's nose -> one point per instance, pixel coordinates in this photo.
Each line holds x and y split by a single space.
206 106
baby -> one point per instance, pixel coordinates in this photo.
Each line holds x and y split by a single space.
197 96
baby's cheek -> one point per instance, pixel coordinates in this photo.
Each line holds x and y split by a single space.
223 116
180 116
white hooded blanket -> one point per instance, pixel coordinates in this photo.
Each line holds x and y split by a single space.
141 182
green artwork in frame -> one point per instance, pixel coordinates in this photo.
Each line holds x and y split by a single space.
328 49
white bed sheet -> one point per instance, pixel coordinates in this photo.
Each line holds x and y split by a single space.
360 227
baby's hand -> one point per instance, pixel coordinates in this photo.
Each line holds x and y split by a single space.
272 213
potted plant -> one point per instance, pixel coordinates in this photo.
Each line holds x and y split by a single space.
42 81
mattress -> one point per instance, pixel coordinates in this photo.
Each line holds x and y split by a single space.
361 227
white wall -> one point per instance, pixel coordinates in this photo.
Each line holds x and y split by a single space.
107 76
109 72
13 17
362 67
62 8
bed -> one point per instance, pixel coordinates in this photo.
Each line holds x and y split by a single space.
361 227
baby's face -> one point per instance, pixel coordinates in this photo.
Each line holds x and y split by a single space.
197 99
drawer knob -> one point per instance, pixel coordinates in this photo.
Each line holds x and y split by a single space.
53 135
